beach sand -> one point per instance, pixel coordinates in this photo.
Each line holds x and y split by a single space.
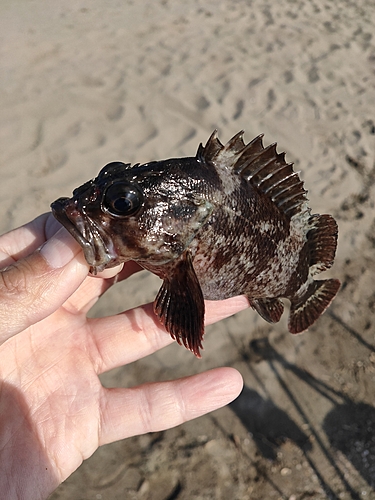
85 83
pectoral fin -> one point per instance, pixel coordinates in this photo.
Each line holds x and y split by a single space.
180 305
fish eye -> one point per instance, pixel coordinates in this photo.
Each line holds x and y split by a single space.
122 199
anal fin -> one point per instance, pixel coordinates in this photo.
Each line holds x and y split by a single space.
180 305
269 309
305 310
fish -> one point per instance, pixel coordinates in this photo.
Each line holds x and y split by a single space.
232 220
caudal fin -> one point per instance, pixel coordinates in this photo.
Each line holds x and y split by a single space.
305 310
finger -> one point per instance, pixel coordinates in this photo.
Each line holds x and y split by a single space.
159 406
122 271
34 287
129 336
110 272
217 310
22 241
94 286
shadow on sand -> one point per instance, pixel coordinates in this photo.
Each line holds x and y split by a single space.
349 426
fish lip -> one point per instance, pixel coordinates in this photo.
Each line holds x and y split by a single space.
58 211
97 246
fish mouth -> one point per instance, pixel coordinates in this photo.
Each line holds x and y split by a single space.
97 246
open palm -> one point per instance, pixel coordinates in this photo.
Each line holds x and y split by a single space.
54 412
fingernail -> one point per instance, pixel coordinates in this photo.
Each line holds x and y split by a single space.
60 249
111 272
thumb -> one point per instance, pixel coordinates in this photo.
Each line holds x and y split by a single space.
36 286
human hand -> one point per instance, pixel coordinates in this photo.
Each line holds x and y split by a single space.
54 412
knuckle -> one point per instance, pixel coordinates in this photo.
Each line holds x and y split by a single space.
146 413
161 407
14 280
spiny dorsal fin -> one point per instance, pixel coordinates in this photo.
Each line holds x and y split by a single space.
212 148
263 167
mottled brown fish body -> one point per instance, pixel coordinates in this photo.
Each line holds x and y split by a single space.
232 220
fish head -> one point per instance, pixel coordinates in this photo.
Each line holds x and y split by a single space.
147 213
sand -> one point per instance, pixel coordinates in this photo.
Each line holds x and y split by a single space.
85 83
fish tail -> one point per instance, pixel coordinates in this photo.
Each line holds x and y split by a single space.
322 242
308 306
